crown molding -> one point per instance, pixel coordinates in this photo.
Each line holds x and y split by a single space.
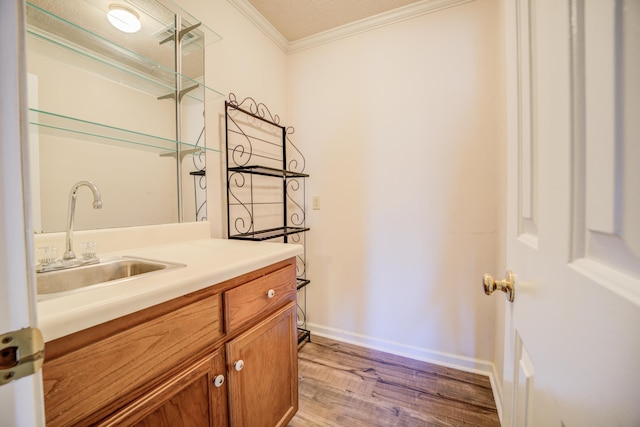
256 17
406 12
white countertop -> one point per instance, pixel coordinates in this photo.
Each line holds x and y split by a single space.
208 262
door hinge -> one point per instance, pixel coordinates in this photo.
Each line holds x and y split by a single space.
21 354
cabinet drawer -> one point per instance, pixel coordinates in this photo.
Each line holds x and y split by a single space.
255 298
80 383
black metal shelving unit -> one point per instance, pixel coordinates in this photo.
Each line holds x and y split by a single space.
266 185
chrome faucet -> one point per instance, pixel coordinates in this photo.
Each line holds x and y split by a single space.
97 204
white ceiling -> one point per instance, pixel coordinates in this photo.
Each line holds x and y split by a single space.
299 24
297 19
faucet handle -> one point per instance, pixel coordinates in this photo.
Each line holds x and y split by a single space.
88 250
47 255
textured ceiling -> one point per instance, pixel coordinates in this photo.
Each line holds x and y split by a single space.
297 19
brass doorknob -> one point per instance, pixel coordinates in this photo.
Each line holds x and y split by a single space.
506 285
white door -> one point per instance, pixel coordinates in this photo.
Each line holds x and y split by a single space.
20 400
572 351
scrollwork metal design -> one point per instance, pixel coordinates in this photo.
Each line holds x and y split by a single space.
297 162
239 224
301 267
201 208
239 151
297 217
200 180
257 109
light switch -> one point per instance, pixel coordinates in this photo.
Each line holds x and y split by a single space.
315 203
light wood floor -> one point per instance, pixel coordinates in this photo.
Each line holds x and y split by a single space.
349 386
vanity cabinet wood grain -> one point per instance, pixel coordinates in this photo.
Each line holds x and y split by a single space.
157 367
189 399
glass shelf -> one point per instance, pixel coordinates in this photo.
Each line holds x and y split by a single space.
147 67
148 6
73 128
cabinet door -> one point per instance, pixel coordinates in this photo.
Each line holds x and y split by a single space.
263 372
190 399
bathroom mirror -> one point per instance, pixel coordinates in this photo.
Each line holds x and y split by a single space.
122 110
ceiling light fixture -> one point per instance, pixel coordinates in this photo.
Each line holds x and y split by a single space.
123 18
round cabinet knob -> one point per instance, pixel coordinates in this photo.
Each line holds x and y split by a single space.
271 293
506 285
218 381
238 365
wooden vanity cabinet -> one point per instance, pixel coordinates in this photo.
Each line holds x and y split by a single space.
88 375
158 367
262 360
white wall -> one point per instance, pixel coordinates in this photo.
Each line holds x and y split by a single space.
401 130
245 62
401 127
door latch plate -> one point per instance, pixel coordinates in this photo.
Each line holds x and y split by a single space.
21 354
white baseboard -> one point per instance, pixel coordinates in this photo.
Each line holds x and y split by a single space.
463 363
